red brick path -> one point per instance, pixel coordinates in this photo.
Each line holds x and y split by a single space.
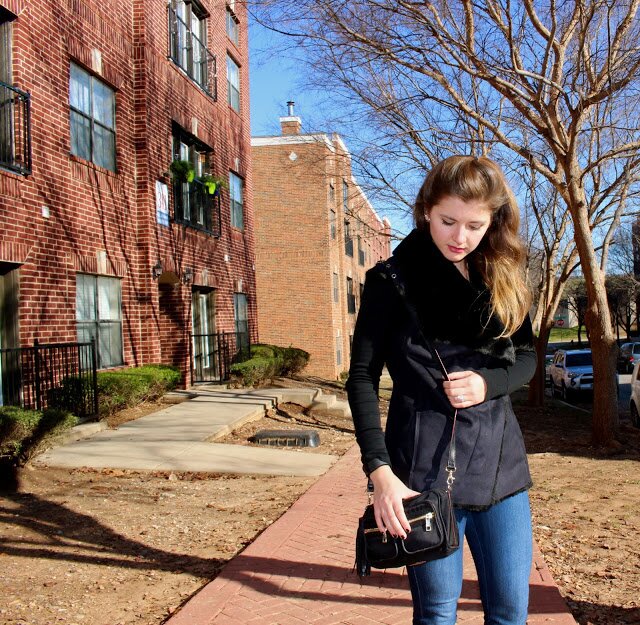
299 571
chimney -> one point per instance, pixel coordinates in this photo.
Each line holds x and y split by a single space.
290 124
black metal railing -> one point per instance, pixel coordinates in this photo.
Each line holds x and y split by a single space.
196 207
192 55
213 354
15 129
58 375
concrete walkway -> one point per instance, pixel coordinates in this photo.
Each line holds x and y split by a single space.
177 437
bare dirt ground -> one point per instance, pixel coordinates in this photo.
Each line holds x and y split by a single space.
122 547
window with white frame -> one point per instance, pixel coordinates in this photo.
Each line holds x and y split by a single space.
336 294
236 193
232 26
233 84
99 315
93 118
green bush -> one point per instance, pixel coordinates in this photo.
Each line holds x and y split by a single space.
72 394
23 432
268 362
127 387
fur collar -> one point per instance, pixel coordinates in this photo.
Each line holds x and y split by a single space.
450 308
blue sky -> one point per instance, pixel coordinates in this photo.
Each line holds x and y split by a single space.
274 80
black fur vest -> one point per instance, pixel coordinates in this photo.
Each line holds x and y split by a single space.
450 308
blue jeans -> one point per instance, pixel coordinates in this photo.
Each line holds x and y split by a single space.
500 541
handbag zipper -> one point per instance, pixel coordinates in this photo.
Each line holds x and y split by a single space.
427 525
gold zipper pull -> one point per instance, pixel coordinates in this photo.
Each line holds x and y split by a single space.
384 537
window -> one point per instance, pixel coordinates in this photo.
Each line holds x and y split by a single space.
93 113
351 297
336 295
232 26
345 195
361 257
193 204
236 185
241 316
188 43
99 315
338 349
332 192
348 240
332 223
233 84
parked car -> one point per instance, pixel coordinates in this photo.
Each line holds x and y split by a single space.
628 356
634 402
548 361
571 371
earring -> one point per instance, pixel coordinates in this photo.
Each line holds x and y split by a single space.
426 218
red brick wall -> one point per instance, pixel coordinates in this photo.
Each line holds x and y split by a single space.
296 257
93 210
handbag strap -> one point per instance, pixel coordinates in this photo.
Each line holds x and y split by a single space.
390 267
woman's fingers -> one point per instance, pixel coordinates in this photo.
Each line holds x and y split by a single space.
465 388
390 515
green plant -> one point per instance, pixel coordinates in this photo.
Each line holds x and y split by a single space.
24 432
182 171
213 184
127 387
267 362
72 395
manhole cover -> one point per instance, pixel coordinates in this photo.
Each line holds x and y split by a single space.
287 438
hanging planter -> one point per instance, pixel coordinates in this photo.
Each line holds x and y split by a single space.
182 171
212 184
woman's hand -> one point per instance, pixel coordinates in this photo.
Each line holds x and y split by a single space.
465 388
388 493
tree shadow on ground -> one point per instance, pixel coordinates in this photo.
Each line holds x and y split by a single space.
586 612
64 534
559 428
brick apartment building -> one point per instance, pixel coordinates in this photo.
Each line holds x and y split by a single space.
316 236
98 238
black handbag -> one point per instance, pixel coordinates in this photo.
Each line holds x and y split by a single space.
433 535
434 529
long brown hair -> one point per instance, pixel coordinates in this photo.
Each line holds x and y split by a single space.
500 257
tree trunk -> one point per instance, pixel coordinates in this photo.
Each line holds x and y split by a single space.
537 383
599 327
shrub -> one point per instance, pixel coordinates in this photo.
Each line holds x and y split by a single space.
267 362
23 432
128 387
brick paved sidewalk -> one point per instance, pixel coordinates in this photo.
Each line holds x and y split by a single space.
299 571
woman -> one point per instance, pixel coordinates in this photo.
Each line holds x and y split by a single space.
462 270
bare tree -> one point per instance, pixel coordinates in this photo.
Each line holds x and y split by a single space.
552 85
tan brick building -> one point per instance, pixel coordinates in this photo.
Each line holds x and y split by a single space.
97 238
316 236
